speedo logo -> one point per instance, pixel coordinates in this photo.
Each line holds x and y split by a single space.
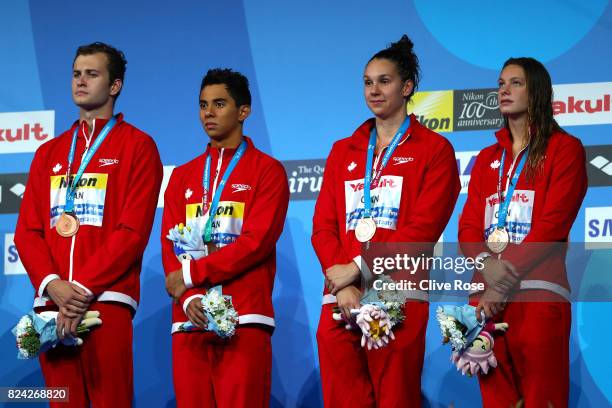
382 183
107 162
401 160
240 187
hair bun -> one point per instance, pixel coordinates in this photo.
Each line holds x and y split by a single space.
404 44
401 53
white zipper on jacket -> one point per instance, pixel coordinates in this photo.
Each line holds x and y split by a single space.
218 171
71 258
376 160
88 139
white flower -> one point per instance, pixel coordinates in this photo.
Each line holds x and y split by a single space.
24 324
449 329
375 326
220 308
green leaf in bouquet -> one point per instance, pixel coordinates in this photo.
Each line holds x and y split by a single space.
30 343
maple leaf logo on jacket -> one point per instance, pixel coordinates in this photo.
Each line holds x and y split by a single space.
352 166
495 164
188 193
57 168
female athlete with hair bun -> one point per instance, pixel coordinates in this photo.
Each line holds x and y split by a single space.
411 174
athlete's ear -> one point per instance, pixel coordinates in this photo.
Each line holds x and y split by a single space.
116 87
243 112
407 88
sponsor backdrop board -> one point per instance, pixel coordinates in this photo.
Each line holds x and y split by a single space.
305 63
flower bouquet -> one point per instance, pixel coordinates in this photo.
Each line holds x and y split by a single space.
220 313
187 241
472 341
36 332
380 311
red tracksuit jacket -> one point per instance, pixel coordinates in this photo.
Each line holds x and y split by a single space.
253 206
115 204
414 198
542 211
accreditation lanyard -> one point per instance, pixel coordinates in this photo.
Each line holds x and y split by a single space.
72 186
368 181
504 202
206 183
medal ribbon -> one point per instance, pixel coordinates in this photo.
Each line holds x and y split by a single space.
206 183
505 203
72 186
368 181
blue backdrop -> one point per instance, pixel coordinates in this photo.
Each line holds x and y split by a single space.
305 62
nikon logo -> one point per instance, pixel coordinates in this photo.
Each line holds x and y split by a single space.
435 123
83 182
221 210
434 110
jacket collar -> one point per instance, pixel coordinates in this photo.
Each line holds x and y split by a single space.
361 136
98 124
504 139
228 152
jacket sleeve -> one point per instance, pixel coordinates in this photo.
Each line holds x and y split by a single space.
32 224
126 244
325 224
174 213
437 198
566 190
260 230
171 216
471 221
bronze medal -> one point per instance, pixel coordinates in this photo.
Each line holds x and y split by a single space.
365 230
67 225
498 240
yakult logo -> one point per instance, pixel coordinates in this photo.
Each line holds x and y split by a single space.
516 198
583 104
23 132
382 183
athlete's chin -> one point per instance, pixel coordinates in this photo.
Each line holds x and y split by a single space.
215 134
376 108
86 105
